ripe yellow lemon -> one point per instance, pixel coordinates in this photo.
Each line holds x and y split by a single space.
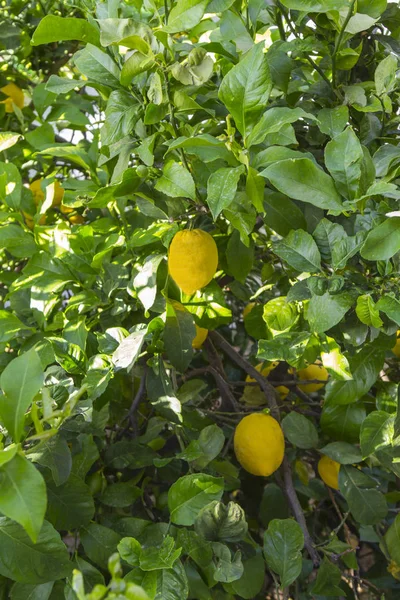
192 259
253 394
248 308
328 470
396 347
259 444
14 96
311 372
39 195
200 337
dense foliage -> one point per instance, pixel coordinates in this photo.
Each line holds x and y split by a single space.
273 126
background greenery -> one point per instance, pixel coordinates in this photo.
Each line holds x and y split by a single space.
273 126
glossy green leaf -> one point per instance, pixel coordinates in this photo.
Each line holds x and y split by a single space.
190 494
300 431
376 432
176 181
56 29
300 251
179 333
283 543
383 241
221 189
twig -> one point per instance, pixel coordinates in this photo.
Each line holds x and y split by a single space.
298 511
222 384
339 41
266 387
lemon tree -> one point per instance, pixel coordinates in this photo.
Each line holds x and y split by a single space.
199 300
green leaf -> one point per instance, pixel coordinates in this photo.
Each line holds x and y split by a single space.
335 245
368 506
282 215
97 66
383 241
289 347
246 88
10 192
23 495
315 5
333 360
283 543
301 179
300 251
204 146
364 367
239 256
120 495
217 522
377 431
8 139
185 15
54 454
145 282
176 181
328 580
368 312
26 591
99 543
300 431
121 116
70 505
342 452
191 493
160 557
280 315
343 422
161 393
210 442
332 121
63 85
121 31
343 159
25 561
179 333
227 568
392 540
16 241
10 326
136 64
251 582
273 120
20 381
221 188
129 349
326 311
390 306
385 75
58 29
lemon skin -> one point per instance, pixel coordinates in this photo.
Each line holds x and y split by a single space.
248 308
15 96
312 372
253 394
396 347
192 260
328 470
259 444
200 337
39 195
283 391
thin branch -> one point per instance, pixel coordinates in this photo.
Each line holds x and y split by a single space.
339 41
222 384
266 387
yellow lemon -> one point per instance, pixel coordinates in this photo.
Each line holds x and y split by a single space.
253 394
259 444
311 372
30 223
192 259
39 195
328 470
283 391
200 337
396 347
248 308
15 96
76 219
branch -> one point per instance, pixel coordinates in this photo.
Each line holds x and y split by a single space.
222 384
298 511
339 41
250 370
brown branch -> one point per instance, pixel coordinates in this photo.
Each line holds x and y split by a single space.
269 392
266 387
222 384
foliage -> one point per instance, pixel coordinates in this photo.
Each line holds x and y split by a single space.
273 126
